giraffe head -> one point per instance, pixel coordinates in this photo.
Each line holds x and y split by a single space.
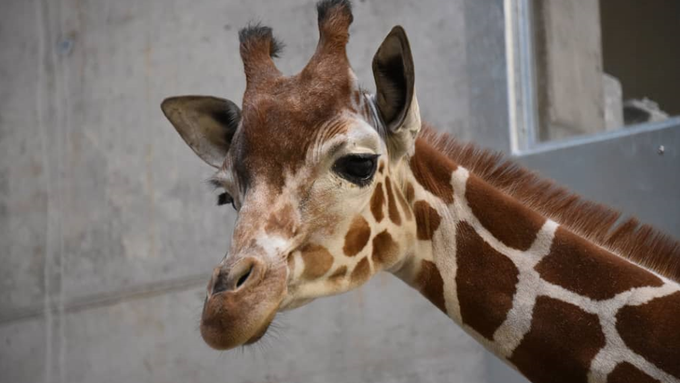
312 164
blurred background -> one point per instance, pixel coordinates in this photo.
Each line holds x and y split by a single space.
108 232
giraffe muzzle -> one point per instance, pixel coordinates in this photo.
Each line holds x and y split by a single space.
242 299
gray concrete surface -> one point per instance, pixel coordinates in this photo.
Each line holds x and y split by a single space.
108 233
569 68
370 335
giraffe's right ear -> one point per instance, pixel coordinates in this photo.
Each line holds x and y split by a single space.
207 124
395 91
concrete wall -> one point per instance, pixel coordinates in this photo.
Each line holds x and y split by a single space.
108 234
571 98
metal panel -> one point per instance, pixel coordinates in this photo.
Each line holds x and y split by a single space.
635 170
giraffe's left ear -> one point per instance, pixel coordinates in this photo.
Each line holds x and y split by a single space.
395 91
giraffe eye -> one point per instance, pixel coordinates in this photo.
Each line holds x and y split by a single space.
356 168
224 199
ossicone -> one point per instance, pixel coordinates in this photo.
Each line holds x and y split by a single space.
334 17
258 47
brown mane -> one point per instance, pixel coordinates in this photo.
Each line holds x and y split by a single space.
627 237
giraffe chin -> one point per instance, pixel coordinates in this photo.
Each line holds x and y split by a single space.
224 329
242 317
260 333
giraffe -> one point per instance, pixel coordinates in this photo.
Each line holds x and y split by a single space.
333 184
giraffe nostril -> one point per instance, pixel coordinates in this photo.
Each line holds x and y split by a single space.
233 278
243 278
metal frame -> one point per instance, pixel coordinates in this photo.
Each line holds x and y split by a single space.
630 130
521 74
522 90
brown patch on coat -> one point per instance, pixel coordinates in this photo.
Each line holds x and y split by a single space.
486 281
589 270
561 344
433 170
385 249
361 272
410 193
282 222
653 331
317 261
504 217
602 225
357 236
404 206
392 210
627 373
427 220
381 167
377 202
430 283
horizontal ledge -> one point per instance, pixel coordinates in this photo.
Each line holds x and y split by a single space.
585 139
107 299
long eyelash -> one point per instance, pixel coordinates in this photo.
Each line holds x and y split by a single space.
215 183
224 199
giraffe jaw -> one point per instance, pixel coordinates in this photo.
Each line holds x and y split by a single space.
290 304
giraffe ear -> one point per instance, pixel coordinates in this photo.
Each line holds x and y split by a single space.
395 90
207 124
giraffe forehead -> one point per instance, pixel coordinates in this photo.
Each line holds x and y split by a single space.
282 121
275 155
309 96
272 151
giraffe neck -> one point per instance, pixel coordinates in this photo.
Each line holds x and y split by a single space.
545 300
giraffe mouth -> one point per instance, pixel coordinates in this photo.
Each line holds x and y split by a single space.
260 333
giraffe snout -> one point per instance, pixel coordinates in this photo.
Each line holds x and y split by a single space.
243 296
